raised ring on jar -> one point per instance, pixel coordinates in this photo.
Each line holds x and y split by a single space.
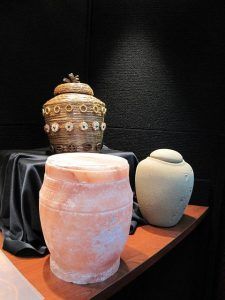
104 110
47 110
95 125
96 109
103 126
83 108
46 128
57 109
69 126
83 125
55 127
69 107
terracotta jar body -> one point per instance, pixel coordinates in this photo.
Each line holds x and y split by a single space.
74 118
85 211
164 184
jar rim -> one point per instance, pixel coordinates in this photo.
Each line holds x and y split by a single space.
87 167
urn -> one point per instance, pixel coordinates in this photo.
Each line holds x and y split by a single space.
164 183
74 118
85 212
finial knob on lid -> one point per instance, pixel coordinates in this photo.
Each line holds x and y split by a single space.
72 78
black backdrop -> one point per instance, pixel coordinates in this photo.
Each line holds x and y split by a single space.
159 67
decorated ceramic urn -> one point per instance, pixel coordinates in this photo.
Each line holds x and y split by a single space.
74 118
164 183
85 211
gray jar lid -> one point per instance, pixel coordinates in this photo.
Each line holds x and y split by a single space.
167 155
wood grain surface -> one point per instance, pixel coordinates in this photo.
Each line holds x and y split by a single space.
142 250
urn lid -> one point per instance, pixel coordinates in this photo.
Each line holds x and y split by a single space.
87 167
167 155
73 85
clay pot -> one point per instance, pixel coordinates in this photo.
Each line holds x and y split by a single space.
85 212
164 184
74 118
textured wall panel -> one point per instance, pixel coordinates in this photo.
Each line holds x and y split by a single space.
158 64
22 136
41 41
197 149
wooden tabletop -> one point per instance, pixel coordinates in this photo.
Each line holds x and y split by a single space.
142 250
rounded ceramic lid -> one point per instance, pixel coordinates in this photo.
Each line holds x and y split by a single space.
87 167
167 155
73 85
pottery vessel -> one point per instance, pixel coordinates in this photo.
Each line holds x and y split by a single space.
74 118
164 184
85 212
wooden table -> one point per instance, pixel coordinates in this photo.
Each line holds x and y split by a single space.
142 250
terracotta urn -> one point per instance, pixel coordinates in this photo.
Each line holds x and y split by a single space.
164 184
74 118
85 212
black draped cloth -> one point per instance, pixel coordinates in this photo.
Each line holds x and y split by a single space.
21 177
